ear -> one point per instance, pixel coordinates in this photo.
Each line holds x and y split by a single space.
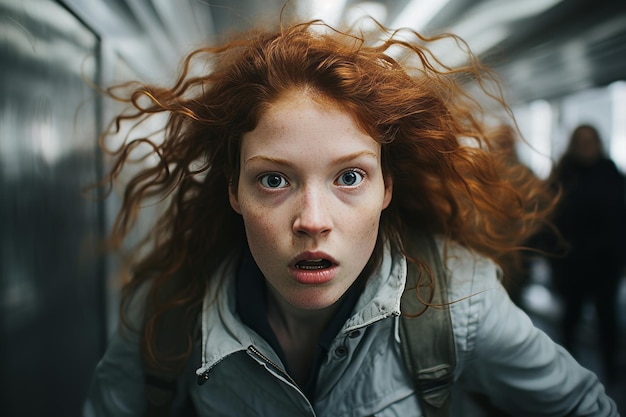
388 191
232 198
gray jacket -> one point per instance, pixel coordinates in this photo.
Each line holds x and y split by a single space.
500 353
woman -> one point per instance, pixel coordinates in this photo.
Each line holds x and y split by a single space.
298 169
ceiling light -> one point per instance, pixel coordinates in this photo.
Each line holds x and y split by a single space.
360 13
330 11
417 13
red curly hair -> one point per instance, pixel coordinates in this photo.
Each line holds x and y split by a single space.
447 177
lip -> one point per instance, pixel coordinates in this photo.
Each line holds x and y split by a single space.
313 277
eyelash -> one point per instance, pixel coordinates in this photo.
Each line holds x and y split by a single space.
357 171
262 179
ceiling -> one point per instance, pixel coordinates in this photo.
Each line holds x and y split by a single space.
542 48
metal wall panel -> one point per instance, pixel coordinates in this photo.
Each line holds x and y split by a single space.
50 275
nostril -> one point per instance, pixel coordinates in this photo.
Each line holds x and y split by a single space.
312 225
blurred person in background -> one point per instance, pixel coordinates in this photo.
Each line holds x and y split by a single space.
591 217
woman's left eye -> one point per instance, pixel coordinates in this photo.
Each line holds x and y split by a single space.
273 181
350 178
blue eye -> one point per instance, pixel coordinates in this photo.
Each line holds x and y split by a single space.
273 181
350 178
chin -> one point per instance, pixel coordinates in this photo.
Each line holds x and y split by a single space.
313 302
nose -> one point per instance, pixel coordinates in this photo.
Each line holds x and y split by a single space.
313 214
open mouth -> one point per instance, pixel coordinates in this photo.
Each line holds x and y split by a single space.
314 264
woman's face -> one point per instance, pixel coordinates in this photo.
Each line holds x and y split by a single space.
311 192
586 146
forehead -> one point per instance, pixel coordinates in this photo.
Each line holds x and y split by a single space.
300 104
303 121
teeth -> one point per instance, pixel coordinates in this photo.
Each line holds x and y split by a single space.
313 264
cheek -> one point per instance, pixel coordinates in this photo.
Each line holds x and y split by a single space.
365 227
260 227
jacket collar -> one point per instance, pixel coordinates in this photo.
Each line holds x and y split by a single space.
223 332
381 297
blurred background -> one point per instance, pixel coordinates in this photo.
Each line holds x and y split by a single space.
562 62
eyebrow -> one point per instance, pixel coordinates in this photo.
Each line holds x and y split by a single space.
287 163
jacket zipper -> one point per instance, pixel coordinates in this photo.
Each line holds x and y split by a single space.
204 376
252 350
278 370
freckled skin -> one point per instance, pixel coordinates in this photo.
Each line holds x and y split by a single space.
310 180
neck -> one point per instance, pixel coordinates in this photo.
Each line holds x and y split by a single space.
294 322
298 332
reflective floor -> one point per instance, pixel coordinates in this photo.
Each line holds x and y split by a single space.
545 308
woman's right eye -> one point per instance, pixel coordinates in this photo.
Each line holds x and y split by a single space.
273 181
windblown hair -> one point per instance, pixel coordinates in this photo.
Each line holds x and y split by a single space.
448 178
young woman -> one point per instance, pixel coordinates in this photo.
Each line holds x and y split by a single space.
298 168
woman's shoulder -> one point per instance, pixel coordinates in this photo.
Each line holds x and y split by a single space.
467 269
478 301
